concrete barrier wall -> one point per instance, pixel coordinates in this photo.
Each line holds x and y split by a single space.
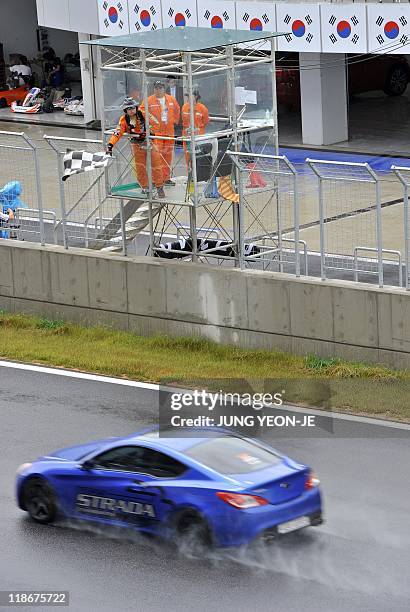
251 309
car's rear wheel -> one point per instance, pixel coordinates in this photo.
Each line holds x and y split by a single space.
396 83
193 533
3 103
39 501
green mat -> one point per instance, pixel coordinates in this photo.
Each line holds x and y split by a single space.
126 187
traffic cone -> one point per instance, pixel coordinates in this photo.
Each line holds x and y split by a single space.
255 177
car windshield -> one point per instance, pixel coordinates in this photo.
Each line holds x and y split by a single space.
232 455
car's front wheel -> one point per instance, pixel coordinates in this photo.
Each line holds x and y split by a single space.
39 501
396 83
3 103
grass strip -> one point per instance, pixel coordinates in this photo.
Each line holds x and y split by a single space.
197 363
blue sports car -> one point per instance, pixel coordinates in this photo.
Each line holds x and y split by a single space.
223 488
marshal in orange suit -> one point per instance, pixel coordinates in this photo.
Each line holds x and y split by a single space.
164 114
132 122
201 119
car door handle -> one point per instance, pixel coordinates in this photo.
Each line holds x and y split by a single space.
139 490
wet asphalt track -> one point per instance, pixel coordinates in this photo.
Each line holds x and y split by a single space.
358 561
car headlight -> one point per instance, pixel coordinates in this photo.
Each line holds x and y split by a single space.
23 467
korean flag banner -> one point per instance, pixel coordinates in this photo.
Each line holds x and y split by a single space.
179 13
216 15
256 16
389 28
113 17
144 15
343 28
301 24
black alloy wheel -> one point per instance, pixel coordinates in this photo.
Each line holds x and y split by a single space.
39 501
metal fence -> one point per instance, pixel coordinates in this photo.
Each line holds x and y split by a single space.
349 218
269 213
328 219
403 174
20 187
90 217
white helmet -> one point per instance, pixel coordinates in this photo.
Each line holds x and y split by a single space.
129 103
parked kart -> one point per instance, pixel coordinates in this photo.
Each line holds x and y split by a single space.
60 104
36 101
61 98
7 96
75 106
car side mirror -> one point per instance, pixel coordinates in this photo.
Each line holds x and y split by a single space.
88 465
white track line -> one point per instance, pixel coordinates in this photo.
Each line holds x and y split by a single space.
81 375
154 387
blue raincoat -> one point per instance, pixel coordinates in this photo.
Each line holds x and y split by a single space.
10 199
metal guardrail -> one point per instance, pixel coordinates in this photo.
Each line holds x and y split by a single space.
33 222
389 251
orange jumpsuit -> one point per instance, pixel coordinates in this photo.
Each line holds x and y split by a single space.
139 150
161 127
201 120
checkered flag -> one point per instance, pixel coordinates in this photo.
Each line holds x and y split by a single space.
83 161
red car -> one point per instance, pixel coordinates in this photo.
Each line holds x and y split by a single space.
7 96
388 73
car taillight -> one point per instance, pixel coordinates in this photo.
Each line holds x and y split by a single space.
312 481
242 501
